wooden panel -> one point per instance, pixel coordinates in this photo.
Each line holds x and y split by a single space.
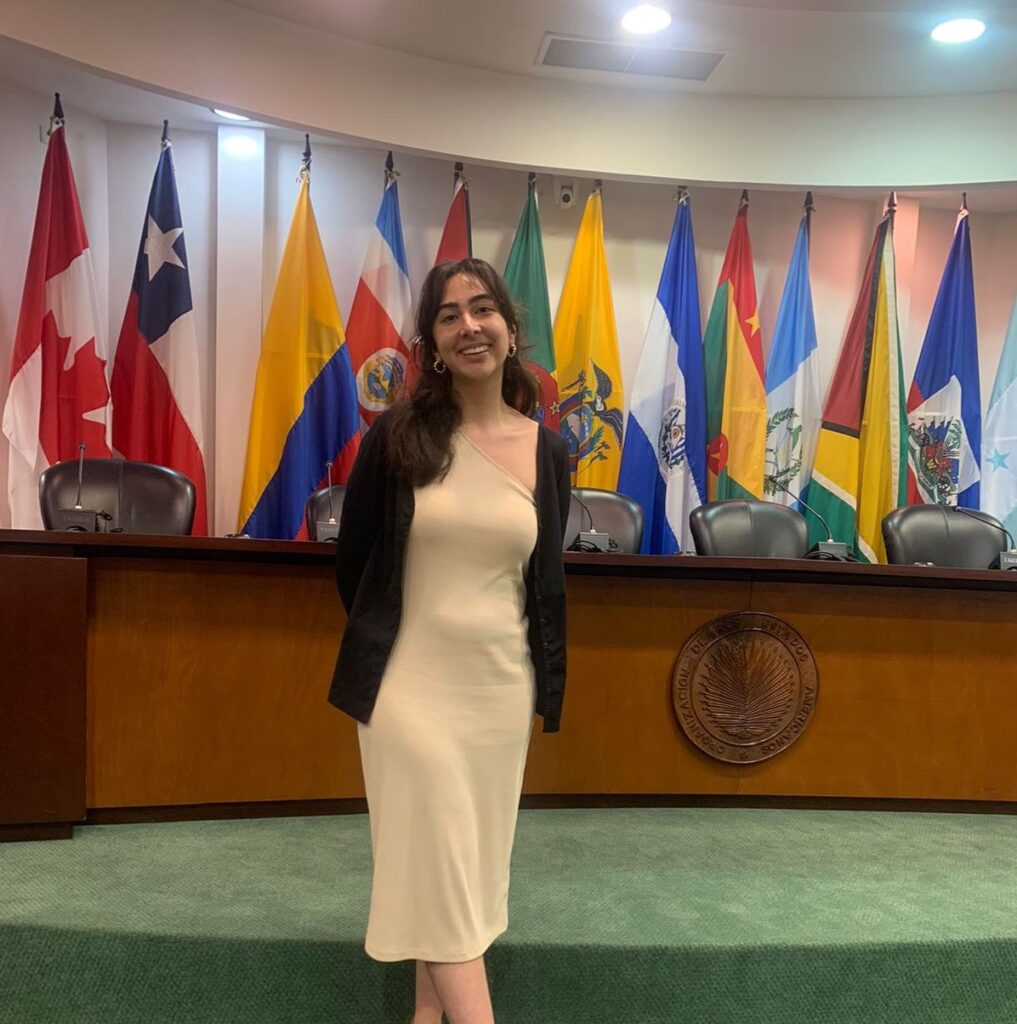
208 683
42 691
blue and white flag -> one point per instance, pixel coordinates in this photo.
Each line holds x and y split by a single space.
944 404
999 446
664 457
794 406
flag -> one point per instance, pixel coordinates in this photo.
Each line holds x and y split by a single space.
944 438
526 277
156 384
305 396
735 392
999 443
590 403
859 473
58 396
380 324
793 404
457 238
663 464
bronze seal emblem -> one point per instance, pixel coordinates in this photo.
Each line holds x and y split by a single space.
745 687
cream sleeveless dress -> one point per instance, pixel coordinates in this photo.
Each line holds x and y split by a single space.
444 751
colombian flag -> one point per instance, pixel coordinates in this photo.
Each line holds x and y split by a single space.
735 388
305 397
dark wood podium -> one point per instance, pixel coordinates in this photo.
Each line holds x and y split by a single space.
147 677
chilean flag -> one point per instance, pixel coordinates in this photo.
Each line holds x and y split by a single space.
156 383
58 396
381 317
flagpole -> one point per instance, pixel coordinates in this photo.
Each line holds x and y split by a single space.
166 143
744 201
390 172
56 119
681 197
305 161
810 208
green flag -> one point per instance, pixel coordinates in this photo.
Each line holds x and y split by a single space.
526 277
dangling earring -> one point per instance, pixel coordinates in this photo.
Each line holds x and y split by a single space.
512 350
439 366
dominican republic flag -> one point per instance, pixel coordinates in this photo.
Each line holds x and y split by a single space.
663 464
944 404
58 396
794 405
156 383
380 324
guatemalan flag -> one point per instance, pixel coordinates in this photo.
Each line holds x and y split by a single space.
944 404
381 317
304 412
58 396
794 405
156 381
663 464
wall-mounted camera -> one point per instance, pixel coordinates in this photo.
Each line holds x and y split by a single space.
565 192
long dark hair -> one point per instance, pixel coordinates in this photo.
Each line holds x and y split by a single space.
420 436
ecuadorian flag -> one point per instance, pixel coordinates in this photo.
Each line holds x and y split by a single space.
305 397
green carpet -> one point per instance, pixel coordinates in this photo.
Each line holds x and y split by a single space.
621 916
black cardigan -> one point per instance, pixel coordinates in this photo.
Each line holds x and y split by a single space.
373 531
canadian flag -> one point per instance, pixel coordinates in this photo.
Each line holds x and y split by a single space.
58 395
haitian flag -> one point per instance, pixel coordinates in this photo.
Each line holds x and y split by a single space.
945 404
663 464
735 389
156 381
58 395
304 412
381 317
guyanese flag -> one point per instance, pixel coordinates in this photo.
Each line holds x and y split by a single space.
860 471
735 379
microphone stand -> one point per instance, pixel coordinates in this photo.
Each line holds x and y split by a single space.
1005 560
826 550
327 530
589 540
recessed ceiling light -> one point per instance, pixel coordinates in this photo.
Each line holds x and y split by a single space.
229 115
959 30
646 18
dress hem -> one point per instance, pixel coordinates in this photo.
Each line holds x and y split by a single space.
419 954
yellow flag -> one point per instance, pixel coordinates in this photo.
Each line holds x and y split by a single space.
591 403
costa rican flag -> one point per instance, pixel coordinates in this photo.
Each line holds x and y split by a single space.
156 382
380 324
58 396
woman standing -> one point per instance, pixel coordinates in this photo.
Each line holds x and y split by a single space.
450 568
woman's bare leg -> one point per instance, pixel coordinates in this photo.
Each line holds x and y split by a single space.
462 989
427 1006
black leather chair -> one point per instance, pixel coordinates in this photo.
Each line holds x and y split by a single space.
137 496
612 513
943 536
316 508
749 529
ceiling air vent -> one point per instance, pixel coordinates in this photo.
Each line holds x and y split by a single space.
626 58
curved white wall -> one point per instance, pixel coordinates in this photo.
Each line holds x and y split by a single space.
211 51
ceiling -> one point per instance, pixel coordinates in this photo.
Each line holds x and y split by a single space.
771 48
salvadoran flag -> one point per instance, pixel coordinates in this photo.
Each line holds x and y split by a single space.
380 323
794 405
156 382
663 464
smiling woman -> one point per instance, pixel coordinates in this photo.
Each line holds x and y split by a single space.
449 563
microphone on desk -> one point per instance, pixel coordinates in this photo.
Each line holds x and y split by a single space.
592 540
327 529
1006 560
829 550
78 519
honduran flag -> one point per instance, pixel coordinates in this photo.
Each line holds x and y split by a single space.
58 396
663 464
304 412
380 324
944 404
156 381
